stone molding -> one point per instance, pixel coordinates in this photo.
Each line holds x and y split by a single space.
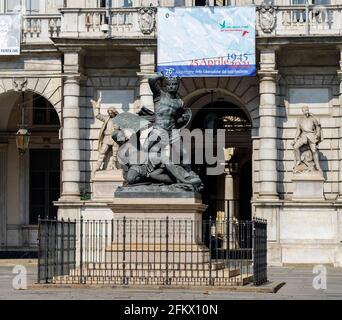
313 79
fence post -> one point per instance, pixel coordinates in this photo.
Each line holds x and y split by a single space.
124 251
259 251
210 251
254 255
68 247
265 249
47 235
227 242
81 250
55 253
39 250
62 246
167 250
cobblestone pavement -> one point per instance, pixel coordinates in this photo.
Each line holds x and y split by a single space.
298 286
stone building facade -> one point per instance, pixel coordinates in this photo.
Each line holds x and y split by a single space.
69 54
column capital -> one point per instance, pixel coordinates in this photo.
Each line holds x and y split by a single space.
268 75
146 49
76 77
72 60
66 50
268 48
144 75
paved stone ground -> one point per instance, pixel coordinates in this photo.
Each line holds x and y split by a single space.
298 286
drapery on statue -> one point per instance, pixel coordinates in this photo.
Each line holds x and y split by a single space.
163 124
308 136
106 143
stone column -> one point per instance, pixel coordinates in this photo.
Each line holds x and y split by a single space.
268 76
147 64
70 126
229 193
339 73
3 194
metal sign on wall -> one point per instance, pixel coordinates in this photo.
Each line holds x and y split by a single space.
206 41
10 34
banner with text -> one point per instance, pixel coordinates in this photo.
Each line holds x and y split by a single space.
206 41
9 34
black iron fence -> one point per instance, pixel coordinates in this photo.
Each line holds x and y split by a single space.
57 248
227 208
152 252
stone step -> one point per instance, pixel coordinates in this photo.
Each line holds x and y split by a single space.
178 247
224 273
228 278
154 257
170 280
154 266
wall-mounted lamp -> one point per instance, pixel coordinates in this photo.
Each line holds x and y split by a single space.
22 135
22 139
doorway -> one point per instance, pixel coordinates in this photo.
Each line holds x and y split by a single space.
44 183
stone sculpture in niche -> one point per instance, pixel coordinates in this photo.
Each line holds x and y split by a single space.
307 138
106 143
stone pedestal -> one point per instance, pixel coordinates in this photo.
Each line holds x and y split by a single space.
104 184
186 212
164 229
302 232
308 186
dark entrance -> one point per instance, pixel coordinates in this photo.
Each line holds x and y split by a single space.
230 192
44 183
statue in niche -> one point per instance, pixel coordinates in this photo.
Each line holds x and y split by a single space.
106 143
307 138
161 128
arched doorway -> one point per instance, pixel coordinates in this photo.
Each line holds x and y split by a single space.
31 181
229 193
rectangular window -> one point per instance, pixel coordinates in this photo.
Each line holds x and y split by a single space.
12 5
200 3
321 2
32 6
128 3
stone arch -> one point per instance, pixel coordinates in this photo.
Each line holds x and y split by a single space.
49 88
243 92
